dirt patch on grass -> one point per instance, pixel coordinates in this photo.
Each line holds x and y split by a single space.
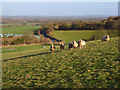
9 49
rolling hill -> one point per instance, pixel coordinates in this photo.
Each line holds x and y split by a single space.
94 66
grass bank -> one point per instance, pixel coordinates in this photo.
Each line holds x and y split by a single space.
94 66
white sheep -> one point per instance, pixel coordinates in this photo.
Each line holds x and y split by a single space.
75 44
81 43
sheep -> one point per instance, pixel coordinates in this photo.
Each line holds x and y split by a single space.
44 46
52 48
75 44
105 38
62 45
70 45
81 43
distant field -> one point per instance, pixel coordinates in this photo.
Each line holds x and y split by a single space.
94 66
19 29
4 24
13 24
69 36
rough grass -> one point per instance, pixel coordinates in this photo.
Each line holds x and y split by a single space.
19 29
17 51
94 66
69 36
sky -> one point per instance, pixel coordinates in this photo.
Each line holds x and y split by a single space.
59 8
60 0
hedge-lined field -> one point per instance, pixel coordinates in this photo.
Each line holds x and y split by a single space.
94 66
69 36
19 29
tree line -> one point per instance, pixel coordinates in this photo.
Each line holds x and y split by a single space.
110 23
107 26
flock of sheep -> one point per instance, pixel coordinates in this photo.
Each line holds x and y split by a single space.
74 44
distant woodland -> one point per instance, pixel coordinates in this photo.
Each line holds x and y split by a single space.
111 23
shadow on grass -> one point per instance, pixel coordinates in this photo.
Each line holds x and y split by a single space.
30 55
27 56
35 54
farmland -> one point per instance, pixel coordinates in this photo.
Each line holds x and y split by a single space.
30 30
94 66
19 29
69 36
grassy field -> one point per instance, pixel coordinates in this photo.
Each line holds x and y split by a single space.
16 51
14 24
19 29
69 36
95 66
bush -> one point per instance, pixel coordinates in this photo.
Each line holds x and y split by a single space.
46 41
5 43
7 40
18 41
99 33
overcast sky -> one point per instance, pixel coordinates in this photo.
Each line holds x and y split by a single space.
59 8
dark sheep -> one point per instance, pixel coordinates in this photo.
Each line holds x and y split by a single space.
62 46
70 45
105 38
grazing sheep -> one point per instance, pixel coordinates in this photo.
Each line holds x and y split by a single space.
44 46
75 44
81 43
105 38
52 48
70 45
62 46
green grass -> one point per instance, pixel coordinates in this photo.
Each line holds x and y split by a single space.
15 51
19 29
69 36
94 66
20 48
13 24
33 23
4 24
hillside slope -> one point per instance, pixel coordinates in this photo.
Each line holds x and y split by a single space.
95 66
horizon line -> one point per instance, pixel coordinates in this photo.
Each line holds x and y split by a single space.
60 15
